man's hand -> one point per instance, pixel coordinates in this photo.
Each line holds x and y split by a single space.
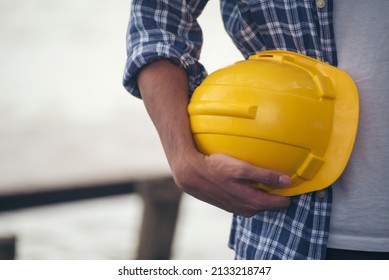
216 179
225 182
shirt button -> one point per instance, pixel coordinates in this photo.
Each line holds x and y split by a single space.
320 3
321 193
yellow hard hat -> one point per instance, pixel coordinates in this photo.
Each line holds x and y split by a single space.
279 110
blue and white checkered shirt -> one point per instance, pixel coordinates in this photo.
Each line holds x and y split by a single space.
169 29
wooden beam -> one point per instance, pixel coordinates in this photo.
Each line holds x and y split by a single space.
161 207
7 247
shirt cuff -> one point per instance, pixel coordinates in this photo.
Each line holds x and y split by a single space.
143 55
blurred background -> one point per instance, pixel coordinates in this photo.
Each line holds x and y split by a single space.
66 123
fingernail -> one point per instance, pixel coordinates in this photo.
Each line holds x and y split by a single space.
284 180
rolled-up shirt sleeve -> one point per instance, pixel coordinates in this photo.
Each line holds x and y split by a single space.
164 29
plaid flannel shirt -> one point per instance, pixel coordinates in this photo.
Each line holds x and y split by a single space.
169 29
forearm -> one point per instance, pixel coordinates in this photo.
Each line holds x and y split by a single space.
164 90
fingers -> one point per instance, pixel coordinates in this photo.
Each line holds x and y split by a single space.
267 177
254 201
224 182
258 203
250 173
245 201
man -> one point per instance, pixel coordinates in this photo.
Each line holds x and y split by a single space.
163 68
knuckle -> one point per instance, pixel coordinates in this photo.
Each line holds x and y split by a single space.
240 172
